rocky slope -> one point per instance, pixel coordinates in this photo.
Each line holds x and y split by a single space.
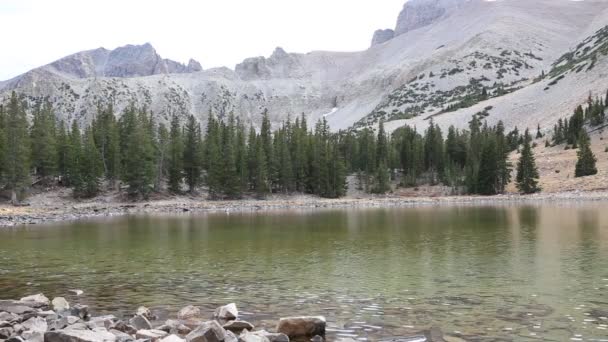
449 59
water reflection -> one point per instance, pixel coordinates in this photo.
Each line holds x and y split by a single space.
487 272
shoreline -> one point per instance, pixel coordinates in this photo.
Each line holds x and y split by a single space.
56 206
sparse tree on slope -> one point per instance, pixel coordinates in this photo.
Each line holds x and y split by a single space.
527 172
585 166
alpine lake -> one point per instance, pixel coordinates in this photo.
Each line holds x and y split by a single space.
480 273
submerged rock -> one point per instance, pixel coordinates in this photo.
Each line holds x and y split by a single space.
189 312
210 331
302 326
238 326
227 312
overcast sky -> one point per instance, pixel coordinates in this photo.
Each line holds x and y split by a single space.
214 32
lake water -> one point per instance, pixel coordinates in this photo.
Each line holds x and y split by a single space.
484 273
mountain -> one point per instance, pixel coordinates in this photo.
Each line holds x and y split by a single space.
511 60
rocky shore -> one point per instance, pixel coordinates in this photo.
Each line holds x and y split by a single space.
37 319
59 206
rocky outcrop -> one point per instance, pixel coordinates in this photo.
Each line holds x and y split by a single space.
382 36
420 13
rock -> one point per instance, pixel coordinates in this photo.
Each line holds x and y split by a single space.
238 326
6 332
76 292
382 36
302 326
35 324
80 310
15 339
121 336
60 304
21 310
72 320
420 13
48 314
123 327
144 311
193 66
102 321
33 336
37 300
231 337
272 337
227 312
189 312
77 326
246 336
172 338
175 327
140 323
9 317
74 335
152 334
317 338
210 331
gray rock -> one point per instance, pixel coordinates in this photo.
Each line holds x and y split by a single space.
172 338
302 326
73 335
144 311
15 339
33 336
210 331
80 310
238 326
189 312
123 327
420 13
37 300
77 326
152 334
272 337
35 324
48 314
140 323
317 338
102 321
227 312
60 304
6 332
246 336
121 336
194 66
76 292
21 310
175 327
231 337
9 317
382 36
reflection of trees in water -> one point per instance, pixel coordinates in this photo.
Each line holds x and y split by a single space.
529 218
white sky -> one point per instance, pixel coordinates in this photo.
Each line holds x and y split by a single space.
216 33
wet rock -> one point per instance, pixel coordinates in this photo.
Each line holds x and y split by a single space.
144 311
238 326
246 336
152 334
35 324
36 301
140 323
189 312
60 304
227 312
73 335
172 338
80 310
210 331
302 326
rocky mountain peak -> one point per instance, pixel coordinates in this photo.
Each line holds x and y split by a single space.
382 36
194 66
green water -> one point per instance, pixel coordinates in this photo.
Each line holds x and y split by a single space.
485 273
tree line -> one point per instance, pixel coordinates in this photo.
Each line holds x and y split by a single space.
133 153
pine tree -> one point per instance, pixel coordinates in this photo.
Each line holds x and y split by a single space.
262 188
73 154
214 161
585 166
17 150
539 134
162 156
527 172
106 132
382 179
139 157
2 141
193 163
488 169
231 183
44 144
176 155
62 152
91 167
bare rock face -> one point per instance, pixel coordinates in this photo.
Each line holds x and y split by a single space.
382 36
134 60
194 66
420 13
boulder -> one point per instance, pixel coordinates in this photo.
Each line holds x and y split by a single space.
172 338
74 335
102 321
36 301
140 323
144 311
246 336
306 326
272 337
231 337
80 310
21 310
6 332
123 327
33 336
227 312
238 326
15 339
189 312
121 336
60 304
173 326
35 324
317 338
210 331
152 334
9 317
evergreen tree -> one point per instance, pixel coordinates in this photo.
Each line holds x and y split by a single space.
193 163
106 132
139 157
44 145
382 179
176 155
527 172
585 166
214 159
163 147
487 182
73 155
2 141
62 152
262 188
91 167
539 134
17 149
231 182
